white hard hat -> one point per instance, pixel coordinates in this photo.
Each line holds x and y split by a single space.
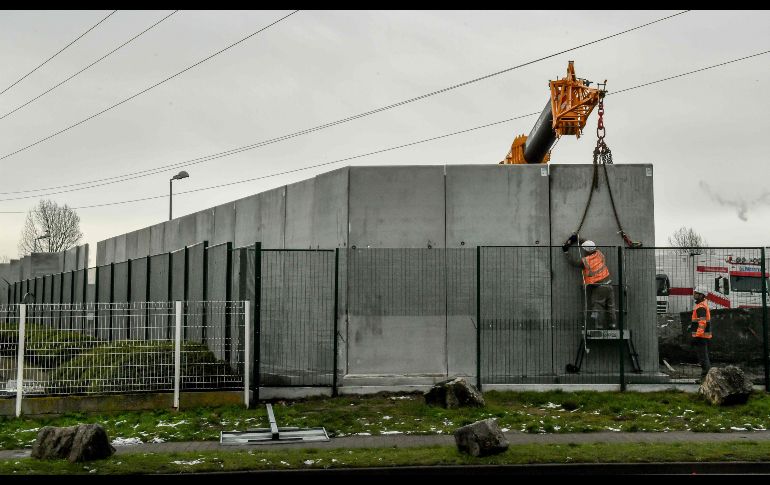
701 289
588 246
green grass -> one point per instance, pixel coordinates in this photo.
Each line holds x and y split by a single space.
137 365
261 459
533 412
45 347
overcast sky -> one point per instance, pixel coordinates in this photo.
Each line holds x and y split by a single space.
706 134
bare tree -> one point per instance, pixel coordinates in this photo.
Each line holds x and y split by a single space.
4 259
49 228
688 241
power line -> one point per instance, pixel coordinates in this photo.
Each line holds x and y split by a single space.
316 165
690 72
152 171
235 151
396 147
60 51
88 66
146 89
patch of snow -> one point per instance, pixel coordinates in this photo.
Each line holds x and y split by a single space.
194 462
387 417
363 434
172 425
392 432
735 428
157 440
308 462
550 405
126 441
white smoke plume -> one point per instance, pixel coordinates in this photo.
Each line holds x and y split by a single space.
741 205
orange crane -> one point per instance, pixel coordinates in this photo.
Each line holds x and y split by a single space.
566 113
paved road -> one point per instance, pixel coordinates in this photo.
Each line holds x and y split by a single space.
404 441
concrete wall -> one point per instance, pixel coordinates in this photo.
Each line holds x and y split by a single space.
632 192
453 207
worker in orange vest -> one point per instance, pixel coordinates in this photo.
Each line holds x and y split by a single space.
700 328
597 281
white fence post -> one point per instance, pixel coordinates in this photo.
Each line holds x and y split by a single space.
20 358
246 353
177 351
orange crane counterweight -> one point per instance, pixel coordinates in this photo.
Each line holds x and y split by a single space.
566 113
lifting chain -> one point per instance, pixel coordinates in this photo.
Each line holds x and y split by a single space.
603 157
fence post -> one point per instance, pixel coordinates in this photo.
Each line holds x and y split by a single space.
621 317
96 303
257 316
228 298
246 354
478 317
112 299
147 276
336 299
20 358
177 351
764 319
129 308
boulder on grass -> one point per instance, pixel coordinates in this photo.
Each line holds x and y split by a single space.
84 442
725 386
481 438
454 393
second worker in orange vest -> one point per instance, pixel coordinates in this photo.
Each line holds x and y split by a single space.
700 328
596 278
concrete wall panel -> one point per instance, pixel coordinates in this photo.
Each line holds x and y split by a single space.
216 290
138 323
633 195
120 248
188 228
496 205
132 245
299 214
246 221
272 218
204 227
397 207
101 250
224 224
157 235
143 242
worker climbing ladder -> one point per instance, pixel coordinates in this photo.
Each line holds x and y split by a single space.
596 335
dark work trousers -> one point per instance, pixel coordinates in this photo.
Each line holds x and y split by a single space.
702 351
602 306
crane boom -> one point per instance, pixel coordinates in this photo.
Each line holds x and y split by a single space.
566 113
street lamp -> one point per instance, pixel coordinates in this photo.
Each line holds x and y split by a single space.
46 235
181 175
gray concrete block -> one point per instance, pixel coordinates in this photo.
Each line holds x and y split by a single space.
157 238
101 249
496 205
272 218
178 275
132 245
143 242
188 228
377 345
397 207
120 248
204 227
299 214
246 221
109 250
171 239
224 224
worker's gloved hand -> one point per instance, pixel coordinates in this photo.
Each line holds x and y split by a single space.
565 246
573 238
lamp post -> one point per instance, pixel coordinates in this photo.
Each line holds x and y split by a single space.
181 175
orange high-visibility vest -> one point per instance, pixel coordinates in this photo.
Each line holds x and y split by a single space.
594 268
703 330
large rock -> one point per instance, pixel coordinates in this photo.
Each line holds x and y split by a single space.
454 393
481 438
83 442
727 385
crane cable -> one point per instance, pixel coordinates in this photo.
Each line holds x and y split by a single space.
603 157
